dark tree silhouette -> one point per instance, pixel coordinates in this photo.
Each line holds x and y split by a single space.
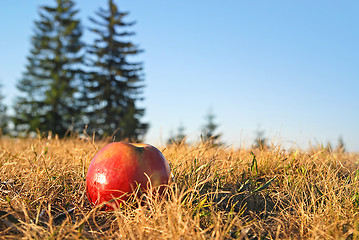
260 141
209 129
114 83
180 137
341 145
3 115
50 83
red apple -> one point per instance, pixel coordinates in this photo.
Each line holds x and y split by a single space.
119 168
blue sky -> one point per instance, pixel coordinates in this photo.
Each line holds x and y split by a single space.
288 67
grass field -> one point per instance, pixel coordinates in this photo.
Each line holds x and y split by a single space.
216 193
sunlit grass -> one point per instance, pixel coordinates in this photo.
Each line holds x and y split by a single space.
217 192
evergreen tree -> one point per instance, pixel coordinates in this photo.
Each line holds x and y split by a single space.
260 141
209 129
114 84
49 86
341 145
3 116
180 137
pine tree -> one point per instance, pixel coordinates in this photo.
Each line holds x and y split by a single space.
260 141
114 85
49 86
209 129
3 115
341 145
180 138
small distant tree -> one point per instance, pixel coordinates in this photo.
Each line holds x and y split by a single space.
3 115
260 142
341 145
328 147
209 129
180 137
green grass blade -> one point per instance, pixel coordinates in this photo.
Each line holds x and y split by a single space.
266 185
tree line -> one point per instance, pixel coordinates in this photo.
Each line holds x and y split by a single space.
70 85
209 133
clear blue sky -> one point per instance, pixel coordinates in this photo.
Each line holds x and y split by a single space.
290 67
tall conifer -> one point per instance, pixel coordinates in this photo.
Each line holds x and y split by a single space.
3 115
209 129
49 85
114 85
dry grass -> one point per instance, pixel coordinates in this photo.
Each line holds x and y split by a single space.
216 193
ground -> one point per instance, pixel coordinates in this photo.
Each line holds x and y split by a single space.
217 192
